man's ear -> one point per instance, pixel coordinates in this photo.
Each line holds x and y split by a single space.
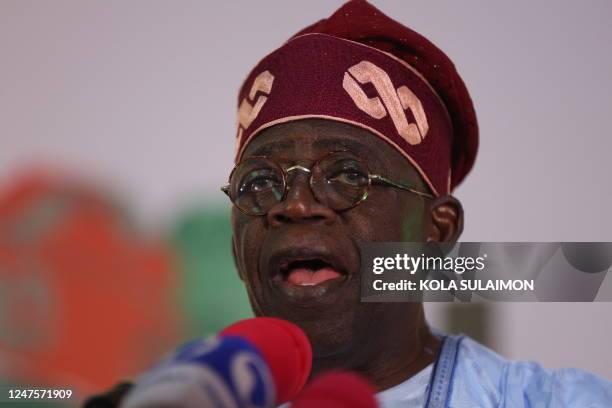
446 223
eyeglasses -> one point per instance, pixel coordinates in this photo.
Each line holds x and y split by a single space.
338 180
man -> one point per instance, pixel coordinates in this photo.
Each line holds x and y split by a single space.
357 130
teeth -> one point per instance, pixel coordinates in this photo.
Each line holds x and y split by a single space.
306 284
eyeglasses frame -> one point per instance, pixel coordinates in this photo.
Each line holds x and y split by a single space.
372 179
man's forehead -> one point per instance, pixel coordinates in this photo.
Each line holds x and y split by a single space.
310 139
314 136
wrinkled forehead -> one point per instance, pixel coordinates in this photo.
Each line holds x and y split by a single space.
307 140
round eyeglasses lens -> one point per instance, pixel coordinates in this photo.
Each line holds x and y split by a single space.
256 185
340 181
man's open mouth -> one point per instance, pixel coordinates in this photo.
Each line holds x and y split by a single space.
308 272
304 273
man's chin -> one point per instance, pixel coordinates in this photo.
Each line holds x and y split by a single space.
330 330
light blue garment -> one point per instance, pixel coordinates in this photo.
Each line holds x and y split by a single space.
410 393
468 375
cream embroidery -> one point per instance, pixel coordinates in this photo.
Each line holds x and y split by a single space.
390 100
247 113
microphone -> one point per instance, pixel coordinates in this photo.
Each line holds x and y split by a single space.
337 389
259 362
284 347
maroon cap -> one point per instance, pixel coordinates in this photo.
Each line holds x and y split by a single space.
363 68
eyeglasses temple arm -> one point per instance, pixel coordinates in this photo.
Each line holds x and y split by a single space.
380 179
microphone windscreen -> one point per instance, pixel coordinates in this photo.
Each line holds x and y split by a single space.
337 389
284 347
221 372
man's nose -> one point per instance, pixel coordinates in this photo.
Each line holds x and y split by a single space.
300 204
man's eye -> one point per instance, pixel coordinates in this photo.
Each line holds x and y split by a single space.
350 177
258 183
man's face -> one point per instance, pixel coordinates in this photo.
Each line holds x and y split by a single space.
301 260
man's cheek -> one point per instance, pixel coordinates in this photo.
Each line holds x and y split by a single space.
241 242
412 227
250 248
379 222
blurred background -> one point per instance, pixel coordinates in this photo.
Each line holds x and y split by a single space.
117 129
